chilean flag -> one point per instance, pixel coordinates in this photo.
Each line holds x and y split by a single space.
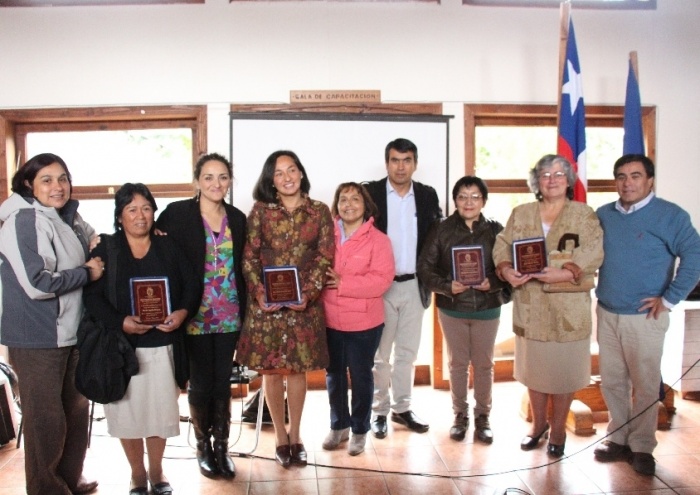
633 141
571 143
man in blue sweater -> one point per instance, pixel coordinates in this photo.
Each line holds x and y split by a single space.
638 285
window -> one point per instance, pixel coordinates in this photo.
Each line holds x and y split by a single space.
502 143
585 4
106 147
63 3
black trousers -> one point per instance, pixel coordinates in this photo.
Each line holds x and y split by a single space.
210 357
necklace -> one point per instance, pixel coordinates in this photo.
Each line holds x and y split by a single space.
216 238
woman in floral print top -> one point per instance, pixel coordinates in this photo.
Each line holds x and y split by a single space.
211 233
286 227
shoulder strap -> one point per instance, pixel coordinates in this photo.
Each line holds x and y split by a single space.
112 253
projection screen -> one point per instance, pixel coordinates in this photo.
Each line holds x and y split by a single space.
336 148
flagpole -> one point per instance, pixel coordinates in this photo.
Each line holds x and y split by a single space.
564 14
635 65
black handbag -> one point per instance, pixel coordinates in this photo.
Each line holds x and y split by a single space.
250 410
107 361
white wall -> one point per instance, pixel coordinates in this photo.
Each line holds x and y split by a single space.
254 52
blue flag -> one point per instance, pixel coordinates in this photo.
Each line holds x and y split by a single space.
633 142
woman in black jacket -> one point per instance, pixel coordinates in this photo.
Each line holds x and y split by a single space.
212 233
469 311
150 270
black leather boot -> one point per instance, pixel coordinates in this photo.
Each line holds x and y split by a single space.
201 423
222 422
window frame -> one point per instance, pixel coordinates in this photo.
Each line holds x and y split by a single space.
579 4
85 3
15 124
545 115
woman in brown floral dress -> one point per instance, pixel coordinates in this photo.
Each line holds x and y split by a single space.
286 227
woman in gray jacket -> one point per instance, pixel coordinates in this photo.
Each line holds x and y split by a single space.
44 245
469 310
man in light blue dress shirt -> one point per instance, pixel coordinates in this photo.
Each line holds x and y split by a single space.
407 211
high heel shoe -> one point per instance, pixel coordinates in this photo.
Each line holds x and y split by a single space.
555 450
298 454
162 488
529 443
283 455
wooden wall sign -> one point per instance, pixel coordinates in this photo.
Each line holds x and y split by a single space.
335 96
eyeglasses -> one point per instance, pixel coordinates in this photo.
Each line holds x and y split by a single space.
554 175
475 198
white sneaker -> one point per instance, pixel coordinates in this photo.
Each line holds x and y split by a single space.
334 438
357 444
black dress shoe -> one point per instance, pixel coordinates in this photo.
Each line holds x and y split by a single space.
297 453
459 427
643 463
555 451
379 427
162 488
84 486
609 451
283 455
529 443
482 429
410 421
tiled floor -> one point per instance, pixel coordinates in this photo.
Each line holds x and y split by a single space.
406 462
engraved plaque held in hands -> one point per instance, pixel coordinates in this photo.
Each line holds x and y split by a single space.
529 255
150 299
468 265
281 285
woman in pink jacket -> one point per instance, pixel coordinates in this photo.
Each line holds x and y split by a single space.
362 272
